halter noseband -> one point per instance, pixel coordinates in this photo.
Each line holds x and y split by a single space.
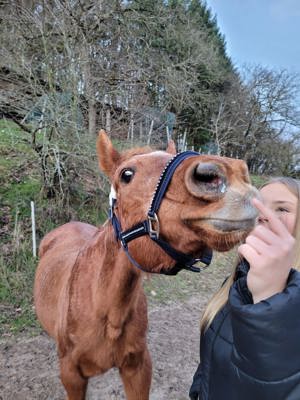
150 226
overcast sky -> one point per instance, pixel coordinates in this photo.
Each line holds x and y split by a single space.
265 32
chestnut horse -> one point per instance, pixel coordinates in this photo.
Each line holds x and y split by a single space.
89 295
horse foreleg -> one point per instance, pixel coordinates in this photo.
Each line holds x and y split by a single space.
136 374
73 381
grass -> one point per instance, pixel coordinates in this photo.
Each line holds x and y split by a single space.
165 289
16 277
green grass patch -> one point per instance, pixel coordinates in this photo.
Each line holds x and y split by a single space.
15 144
10 132
162 289
19 180
15 320
18 195
16 282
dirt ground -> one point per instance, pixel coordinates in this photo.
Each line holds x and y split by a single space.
29 369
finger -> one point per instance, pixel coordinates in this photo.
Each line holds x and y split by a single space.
258 245
264 233
274 222
249 253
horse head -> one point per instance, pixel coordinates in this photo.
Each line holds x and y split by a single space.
207 203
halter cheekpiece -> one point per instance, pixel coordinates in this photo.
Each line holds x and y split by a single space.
150 226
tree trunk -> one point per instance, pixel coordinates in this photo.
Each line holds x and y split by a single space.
92 117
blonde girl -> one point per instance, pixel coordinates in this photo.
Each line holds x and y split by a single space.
250 330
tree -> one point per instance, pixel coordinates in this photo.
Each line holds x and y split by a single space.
257 114
74 66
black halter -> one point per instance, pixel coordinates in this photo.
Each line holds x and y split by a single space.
150 226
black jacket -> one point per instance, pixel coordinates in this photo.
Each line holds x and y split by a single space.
252 351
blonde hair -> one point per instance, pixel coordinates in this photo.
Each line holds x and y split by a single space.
221 297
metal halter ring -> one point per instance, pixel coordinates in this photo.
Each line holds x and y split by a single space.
153 233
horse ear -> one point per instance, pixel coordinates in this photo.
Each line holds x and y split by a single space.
109 158
171 147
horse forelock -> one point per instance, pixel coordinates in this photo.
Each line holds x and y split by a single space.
127 154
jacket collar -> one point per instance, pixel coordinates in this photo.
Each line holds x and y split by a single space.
242 269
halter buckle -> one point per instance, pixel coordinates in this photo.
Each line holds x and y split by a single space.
153 233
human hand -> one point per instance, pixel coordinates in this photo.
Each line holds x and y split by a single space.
270 253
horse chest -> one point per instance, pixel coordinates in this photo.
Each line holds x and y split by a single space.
105 354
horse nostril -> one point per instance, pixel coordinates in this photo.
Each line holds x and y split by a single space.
209 177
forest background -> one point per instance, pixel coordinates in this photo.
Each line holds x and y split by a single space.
145 71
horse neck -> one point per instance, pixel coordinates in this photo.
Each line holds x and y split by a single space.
118 283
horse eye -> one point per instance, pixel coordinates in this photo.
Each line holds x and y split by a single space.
127 175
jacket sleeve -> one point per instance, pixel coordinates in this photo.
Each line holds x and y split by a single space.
195 388
266 341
